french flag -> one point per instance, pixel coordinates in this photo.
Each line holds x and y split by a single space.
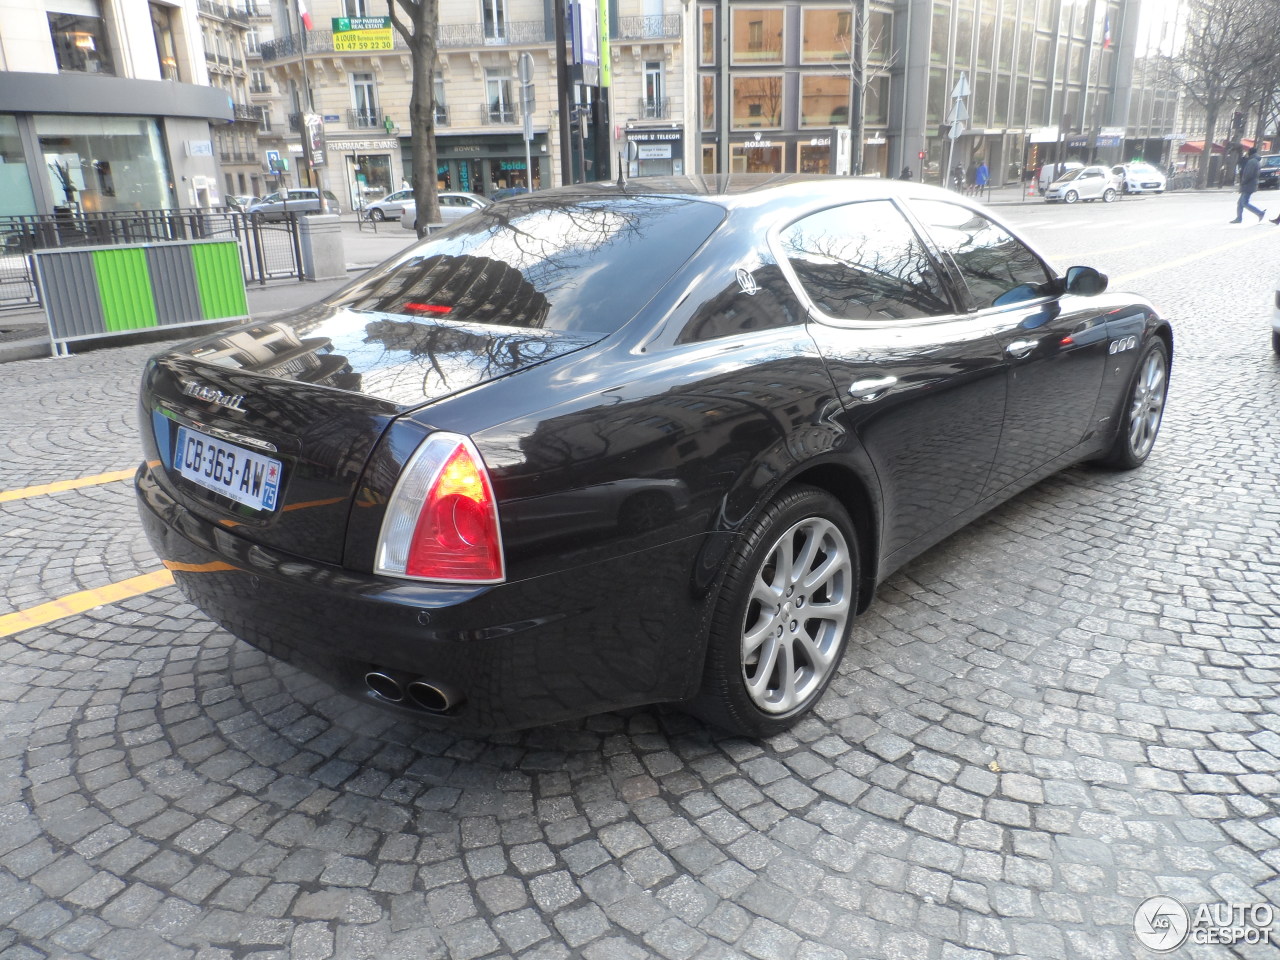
1106 30
302 12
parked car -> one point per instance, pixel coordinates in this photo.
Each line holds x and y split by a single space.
1052 171
454 205
1139 177
1087 183
389 207
785 369
1269 171
240 202
1275 320
299 200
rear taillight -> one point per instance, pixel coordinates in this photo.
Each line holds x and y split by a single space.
442 520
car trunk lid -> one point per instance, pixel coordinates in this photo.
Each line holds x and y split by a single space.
265 429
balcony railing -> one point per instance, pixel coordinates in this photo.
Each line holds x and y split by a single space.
655 109
498 114
451 35
222 10
245 111
657 27
363 119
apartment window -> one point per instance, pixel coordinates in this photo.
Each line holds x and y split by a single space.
826 35
364 102
166 50
824 100
494 15
707 48
497 85
876 103
441 105
361 8
757 35
757 101
251 41
258 82
653 99
79 36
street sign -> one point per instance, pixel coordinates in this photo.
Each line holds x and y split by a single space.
959 113
957 128
962 87
524 68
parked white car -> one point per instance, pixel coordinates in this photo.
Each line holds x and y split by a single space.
454 205
1087 183
1052 171
298 200
1139 177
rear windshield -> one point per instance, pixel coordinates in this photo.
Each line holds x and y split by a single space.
580 264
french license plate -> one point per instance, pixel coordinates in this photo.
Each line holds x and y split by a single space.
245 476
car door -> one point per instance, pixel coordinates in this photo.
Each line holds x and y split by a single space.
921 383
1054 345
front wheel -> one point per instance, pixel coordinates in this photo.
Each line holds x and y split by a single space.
1071 196
1143 411
1108 195
783 615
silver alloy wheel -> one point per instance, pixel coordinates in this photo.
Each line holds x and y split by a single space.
1071 196
797 615
1146 406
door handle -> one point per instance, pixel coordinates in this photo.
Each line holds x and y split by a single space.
1020 348
871 389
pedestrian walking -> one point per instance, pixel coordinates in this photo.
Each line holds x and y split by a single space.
957 177
1248 184
980 178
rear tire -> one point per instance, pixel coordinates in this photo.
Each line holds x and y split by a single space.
1108 196
783 615
1143 410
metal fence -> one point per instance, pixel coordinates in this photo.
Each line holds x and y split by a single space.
269 250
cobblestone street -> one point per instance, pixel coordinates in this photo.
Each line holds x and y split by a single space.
1064 709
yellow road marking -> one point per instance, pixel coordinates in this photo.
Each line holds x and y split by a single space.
59 486
75 603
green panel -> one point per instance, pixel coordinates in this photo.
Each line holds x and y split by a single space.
124 284
219 280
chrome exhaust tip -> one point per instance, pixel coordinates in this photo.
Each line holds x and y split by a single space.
384 686
432 698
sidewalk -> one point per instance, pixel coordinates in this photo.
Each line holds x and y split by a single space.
24 334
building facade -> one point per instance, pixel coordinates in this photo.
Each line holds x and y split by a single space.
780 83
363 96
105 105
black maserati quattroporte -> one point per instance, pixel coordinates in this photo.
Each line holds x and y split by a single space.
631 443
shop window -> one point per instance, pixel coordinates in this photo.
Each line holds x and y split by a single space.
827 35
708 102
136 177
757 101
709 158
80 36
757 35
824 100
15 185
707 38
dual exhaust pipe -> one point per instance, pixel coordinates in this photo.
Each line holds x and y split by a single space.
418 692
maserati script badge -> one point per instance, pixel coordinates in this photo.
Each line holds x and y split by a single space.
202 391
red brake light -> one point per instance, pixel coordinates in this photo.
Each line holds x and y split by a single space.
442 520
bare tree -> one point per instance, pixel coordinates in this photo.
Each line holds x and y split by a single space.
415 21
1217 61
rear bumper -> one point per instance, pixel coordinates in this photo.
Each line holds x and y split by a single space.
588 640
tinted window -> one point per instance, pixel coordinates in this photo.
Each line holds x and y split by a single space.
862 261
576 264
997 266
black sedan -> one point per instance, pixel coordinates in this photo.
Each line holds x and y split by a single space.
611 445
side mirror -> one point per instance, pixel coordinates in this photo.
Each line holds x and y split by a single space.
1085 281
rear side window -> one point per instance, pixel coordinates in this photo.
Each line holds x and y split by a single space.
863 261
576 264
998 268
